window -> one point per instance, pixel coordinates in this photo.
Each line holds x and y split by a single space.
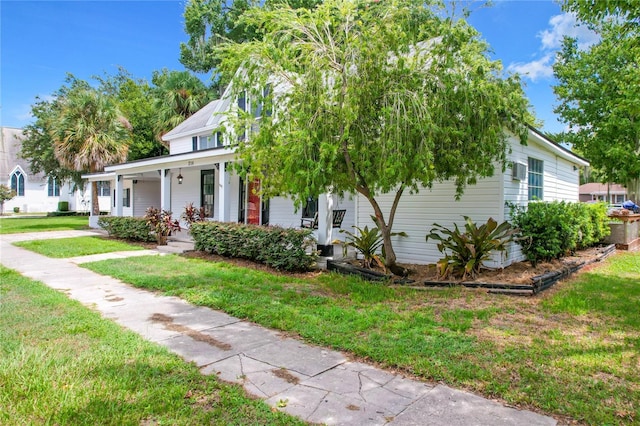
104 187
619 199
207 142
126 197
17 183
207 188
214 140
536 175
53 189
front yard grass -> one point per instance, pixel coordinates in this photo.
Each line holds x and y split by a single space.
16 225
62 364
77 246
572 351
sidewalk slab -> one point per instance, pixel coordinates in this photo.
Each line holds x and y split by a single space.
297 356
444 406
314 383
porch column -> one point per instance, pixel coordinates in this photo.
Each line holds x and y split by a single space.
224 190
325 224
119 182
165 189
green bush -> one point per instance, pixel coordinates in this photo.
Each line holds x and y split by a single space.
280 248
467 251
551 230
128 228
63 206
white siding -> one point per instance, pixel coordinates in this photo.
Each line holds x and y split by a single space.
145 194
180 145
187 192
35 199
281 213
560 183
416 214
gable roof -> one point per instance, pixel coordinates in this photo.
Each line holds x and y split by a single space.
556 148
205 118
10 147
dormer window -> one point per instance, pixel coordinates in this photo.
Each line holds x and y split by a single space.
214 140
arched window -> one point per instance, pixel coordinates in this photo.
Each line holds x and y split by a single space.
53 188
17 183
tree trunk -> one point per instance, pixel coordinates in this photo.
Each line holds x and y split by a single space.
95 205
385 230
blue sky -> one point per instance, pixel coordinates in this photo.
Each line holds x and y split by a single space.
41 41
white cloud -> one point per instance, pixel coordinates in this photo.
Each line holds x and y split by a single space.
534 70
566 25
551 40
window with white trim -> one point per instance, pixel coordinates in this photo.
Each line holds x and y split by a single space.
104 188
17 183
53 188
536 179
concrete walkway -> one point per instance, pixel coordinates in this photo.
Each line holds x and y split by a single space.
313 383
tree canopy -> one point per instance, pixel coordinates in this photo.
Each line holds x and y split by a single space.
89 133
176 96
600 93
210 23
370 97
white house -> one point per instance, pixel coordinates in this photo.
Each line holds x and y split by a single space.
198 170
35 193
540 170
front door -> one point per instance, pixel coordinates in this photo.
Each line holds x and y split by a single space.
207 188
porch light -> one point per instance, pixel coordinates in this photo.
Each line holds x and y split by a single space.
180 177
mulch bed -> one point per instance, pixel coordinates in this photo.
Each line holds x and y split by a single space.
520 278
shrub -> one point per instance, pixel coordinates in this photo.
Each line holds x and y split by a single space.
193 214
63 206
367 242
161 223
551 230
281 248
128 228
467 251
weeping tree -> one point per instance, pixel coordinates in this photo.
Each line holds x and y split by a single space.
88 133
369 97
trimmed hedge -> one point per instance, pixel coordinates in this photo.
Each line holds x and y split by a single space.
63 206
128 228
551 230
280 248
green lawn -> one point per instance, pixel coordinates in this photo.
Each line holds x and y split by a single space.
39 224
78 246
572 351
62 364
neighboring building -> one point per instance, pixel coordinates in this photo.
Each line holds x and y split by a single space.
198 171
35 193
610 193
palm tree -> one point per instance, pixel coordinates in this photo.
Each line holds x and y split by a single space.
90 133
178 95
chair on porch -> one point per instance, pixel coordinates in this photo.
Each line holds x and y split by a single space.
312 223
